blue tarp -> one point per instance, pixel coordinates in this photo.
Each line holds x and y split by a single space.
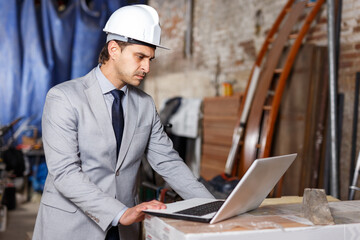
41 46
10 60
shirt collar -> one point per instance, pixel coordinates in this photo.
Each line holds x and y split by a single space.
105 85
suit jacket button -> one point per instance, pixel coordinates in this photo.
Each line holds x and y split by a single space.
117 173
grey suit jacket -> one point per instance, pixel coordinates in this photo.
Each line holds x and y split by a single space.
85 188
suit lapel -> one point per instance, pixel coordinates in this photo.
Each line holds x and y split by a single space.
130 124
98 106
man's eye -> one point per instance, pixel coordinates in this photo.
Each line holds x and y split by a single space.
140 56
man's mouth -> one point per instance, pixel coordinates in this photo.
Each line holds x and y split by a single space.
140 75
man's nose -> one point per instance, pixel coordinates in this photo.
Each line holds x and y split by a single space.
145 66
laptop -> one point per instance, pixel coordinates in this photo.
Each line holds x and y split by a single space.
248 194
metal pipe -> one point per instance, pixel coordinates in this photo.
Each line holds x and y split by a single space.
189 27
333 100
337 34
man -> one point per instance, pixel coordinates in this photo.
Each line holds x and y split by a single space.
90 191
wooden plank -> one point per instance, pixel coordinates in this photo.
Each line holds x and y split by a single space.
249 152
213 160
316 121
218 130
219 122
218 139
292 119
281 82
300 123
216 151
222 106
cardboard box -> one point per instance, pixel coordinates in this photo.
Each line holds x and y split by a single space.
280 222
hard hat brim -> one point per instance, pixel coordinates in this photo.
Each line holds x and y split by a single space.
111 36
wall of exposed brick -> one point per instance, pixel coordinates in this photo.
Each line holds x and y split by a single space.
225 44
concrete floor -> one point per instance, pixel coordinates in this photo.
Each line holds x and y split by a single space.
21 221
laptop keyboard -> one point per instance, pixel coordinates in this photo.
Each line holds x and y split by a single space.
203 209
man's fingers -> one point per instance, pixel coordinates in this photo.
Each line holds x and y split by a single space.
153 205
140 208
150 205
136 214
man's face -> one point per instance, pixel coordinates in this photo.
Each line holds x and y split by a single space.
133 63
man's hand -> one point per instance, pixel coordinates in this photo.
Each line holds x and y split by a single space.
135 214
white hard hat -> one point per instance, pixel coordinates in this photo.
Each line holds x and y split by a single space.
135 24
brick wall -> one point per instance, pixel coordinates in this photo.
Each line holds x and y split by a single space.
226 40
224 46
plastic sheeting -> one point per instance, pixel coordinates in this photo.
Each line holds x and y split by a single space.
41 46
35 77
10 60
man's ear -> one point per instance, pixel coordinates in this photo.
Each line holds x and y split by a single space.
113 49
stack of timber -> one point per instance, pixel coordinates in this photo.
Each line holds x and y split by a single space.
255 127
302 120
220 116
261 121
272 81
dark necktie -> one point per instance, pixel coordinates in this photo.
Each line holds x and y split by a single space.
117 118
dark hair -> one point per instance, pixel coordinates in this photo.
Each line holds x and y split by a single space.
104 54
